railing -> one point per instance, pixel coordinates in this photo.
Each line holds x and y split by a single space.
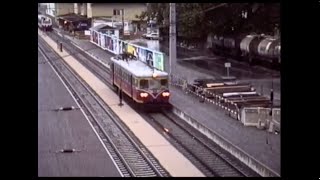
230 107
233 109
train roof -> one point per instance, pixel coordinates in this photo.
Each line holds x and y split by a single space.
139 68
43 16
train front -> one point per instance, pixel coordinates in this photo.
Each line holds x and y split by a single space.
154 91
47 24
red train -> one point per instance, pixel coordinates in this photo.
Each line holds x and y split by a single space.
140 82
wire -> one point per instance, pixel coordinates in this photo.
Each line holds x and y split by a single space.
206 10
200 12
69 53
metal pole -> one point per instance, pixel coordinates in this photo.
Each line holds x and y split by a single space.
120 89
172 35
112 20
60 46
271 99
227 71
123 20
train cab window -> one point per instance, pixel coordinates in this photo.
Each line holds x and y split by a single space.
164 82
144 84
135 82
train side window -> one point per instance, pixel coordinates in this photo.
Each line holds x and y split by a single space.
144 84
164 82
135 82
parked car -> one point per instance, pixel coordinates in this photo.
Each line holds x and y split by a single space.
152 36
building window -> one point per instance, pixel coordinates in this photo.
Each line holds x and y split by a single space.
117 12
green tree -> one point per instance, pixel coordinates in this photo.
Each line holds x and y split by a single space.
196 20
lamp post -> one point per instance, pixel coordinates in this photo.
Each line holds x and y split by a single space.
122 19
120 89
172 35
271 109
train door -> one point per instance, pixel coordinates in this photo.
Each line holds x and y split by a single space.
131 85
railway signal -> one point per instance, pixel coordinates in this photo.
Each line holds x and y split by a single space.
227 65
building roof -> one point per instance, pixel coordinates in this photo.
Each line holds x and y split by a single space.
72 17
104 18
108 27
139 68
102 27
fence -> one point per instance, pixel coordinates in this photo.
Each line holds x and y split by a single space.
230 107
260 117
118 46
253 116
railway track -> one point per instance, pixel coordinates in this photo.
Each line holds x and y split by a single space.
211 159
102 72
207 156
131 157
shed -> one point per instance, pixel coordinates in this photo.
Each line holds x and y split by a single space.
74 22
105 29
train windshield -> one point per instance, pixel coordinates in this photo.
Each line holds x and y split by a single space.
153 83
158 83
144 84
46 21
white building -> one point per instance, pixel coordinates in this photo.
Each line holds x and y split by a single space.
56 9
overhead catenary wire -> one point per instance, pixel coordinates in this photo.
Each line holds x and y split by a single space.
185 15
203 11
59 40
71 54
200 12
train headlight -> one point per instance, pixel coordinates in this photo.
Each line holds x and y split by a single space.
144 94
154 75
165 94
